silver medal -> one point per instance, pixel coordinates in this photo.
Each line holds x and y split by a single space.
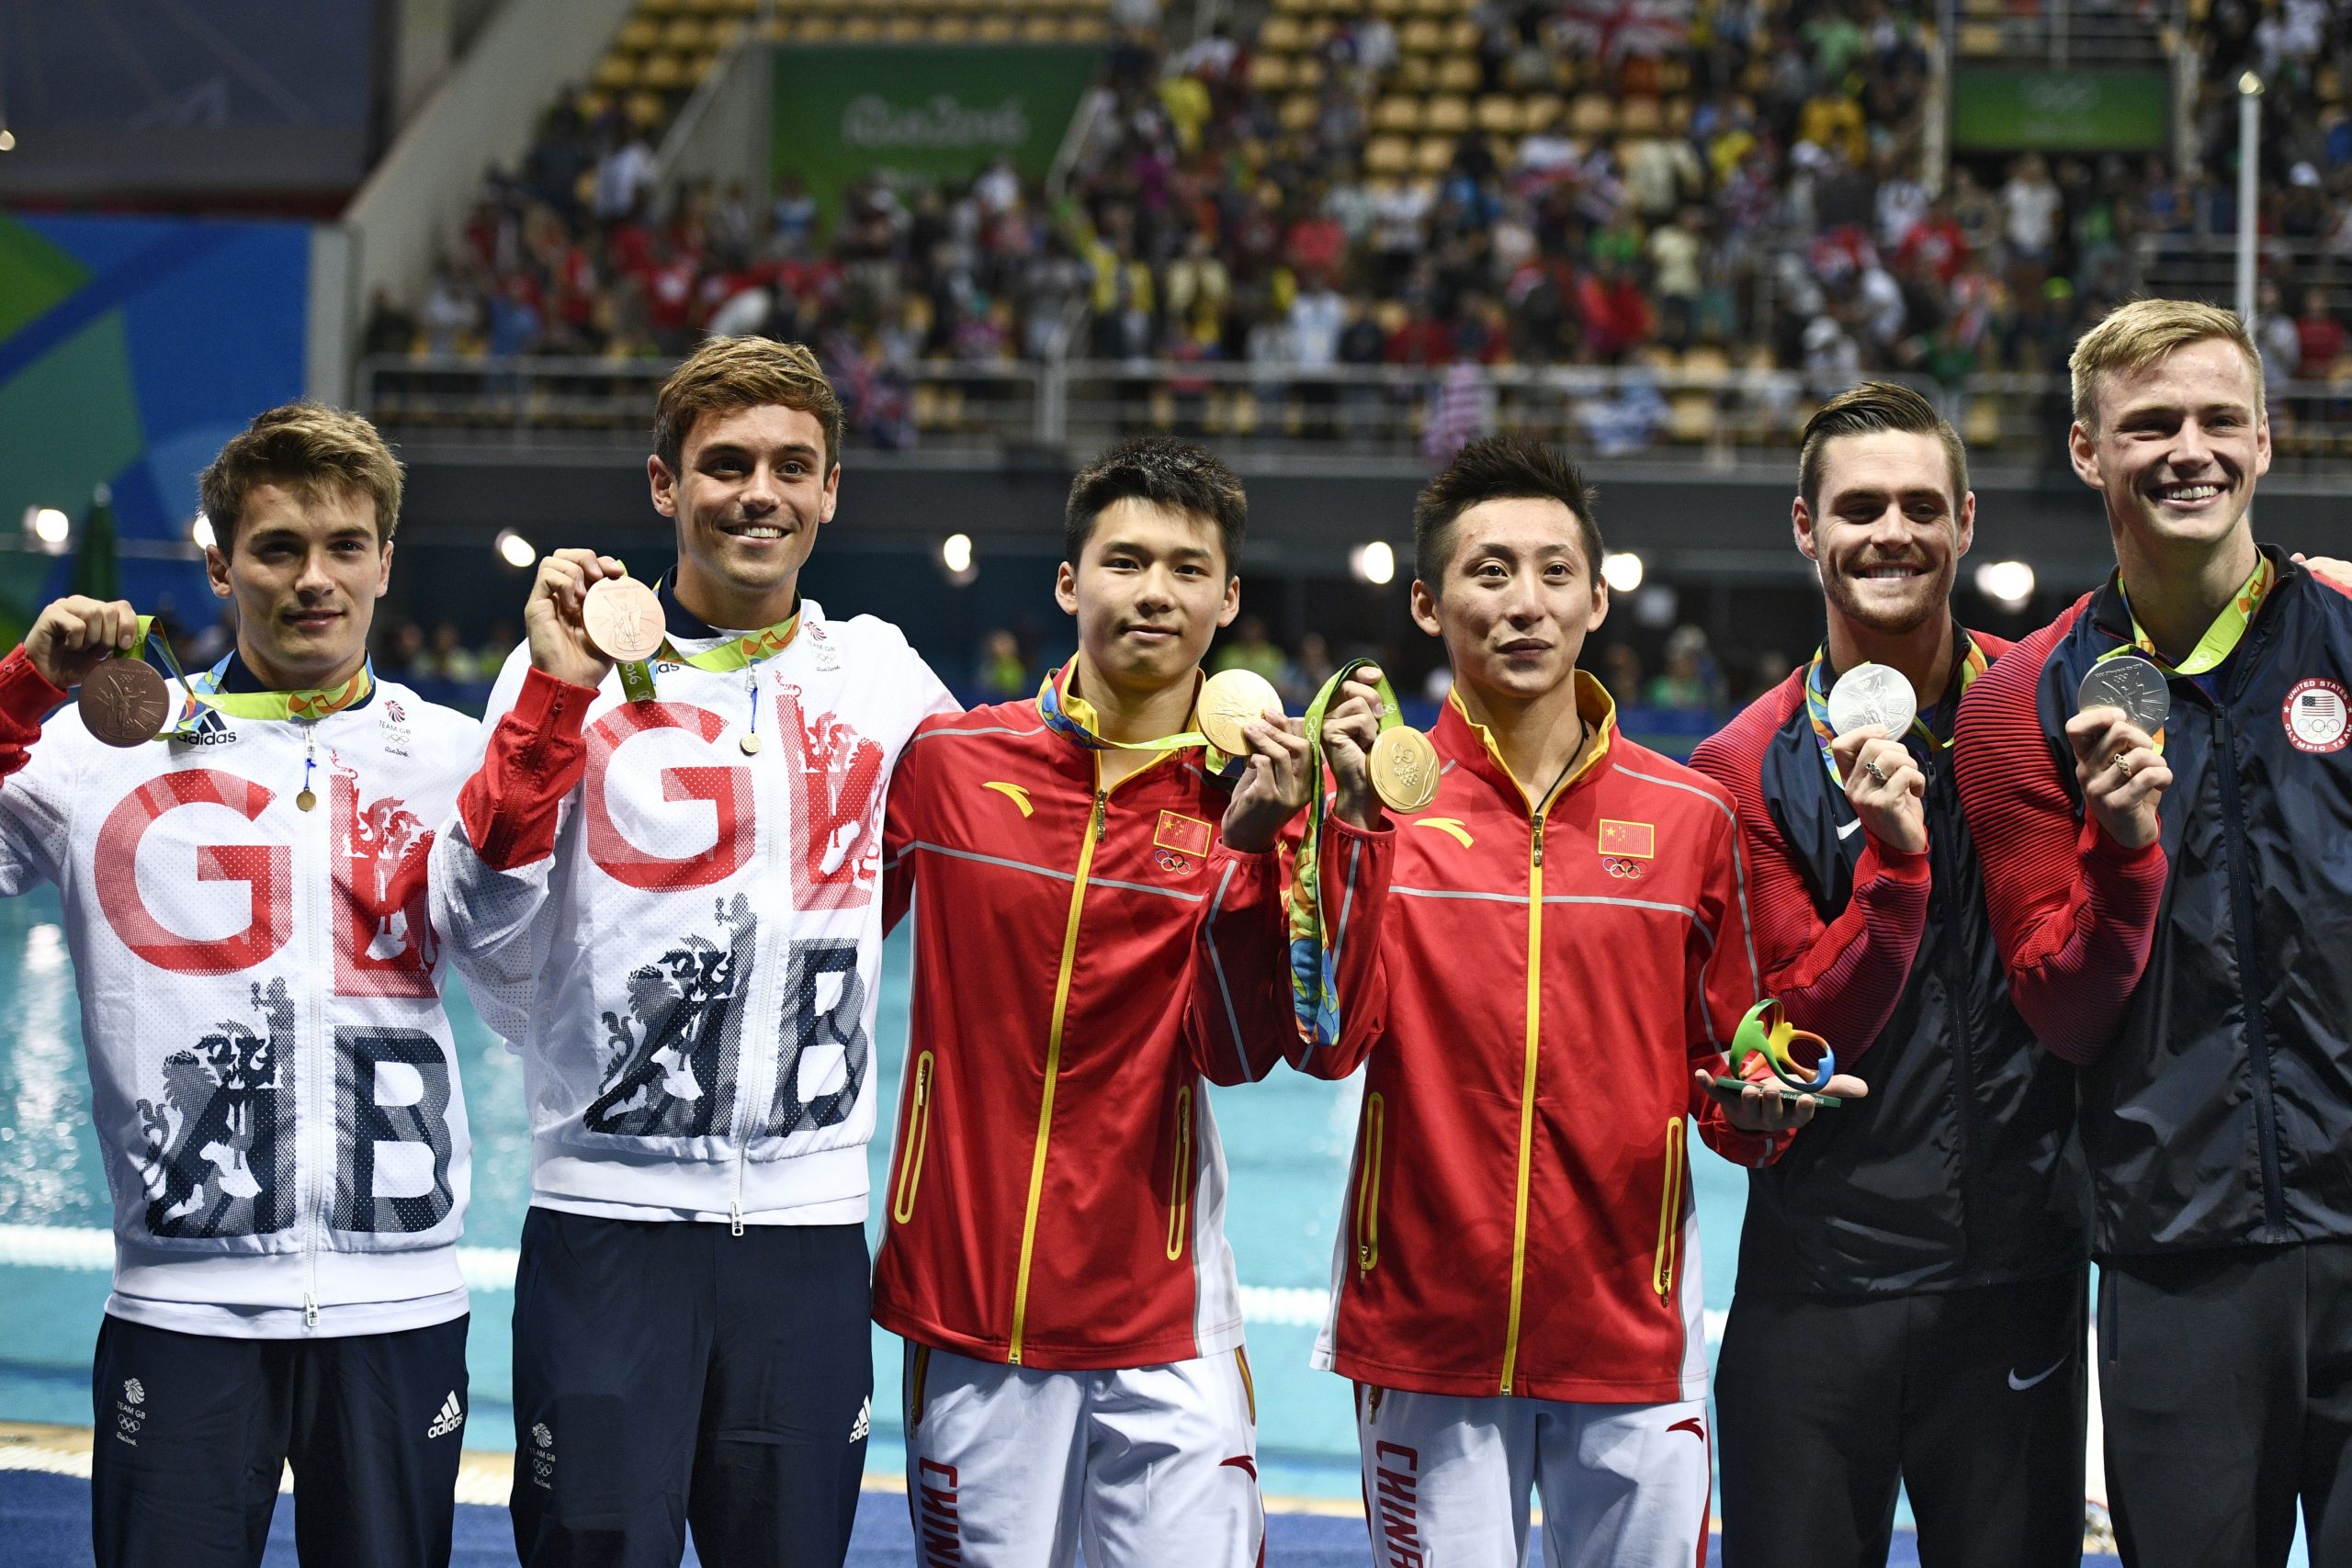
2131 683
1872 694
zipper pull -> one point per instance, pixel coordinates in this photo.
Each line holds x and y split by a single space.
1539 841
309 1310
735 1217
922 1087
1102 811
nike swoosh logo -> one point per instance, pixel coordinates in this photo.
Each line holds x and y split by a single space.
1850 828
2021 1384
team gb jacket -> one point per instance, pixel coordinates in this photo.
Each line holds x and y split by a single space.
1087 961
682 935
275 1095
1518 1217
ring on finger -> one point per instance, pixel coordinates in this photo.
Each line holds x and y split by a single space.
1875 772
2124 764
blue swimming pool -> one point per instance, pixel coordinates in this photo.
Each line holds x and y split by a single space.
1288 1141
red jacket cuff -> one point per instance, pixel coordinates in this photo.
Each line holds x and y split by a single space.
1894 865
26 696
2095 840
552 706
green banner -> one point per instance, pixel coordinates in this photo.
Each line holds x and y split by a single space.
2060 111
936 112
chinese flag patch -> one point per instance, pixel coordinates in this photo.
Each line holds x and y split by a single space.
1633 840
1185 835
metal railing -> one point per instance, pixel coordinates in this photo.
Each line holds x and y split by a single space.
1706 417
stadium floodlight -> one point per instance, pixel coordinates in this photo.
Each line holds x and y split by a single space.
201 531
7 139
955 554
49 526
515 550
2009 584
1375 563
1622 570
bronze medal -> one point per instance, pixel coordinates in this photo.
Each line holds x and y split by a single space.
751 744
1229 701
304 801
125 702
1404 768
623 618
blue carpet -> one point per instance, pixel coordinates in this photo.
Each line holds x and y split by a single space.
45 1523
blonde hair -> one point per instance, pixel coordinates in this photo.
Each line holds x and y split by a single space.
730 373
2135 335
306 446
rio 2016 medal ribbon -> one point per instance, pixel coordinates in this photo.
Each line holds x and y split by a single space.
2131 683
1230 701
623 618
1872 694
1802 1062
1405 771
124 702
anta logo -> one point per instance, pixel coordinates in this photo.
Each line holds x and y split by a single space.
939 1530
451 1416
1450 826
1014 793
1396 1501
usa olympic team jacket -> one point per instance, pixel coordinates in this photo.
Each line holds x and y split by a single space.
1088 960
277 1098
681 936
1518 1216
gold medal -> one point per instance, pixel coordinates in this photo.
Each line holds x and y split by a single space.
623 618
1229 702
304 801
751 744
124 702
1404 768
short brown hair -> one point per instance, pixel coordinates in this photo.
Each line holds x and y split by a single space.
730 373
306 446
2135 335
1182 476
1498 468
1870 407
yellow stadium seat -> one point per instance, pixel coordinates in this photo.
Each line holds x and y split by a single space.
1447 115
1457 74
1398 113
1387 155
950 29
638 35
1980 37
1592 114
683 36
1269 72
1423 35
1499 114
1542 112
1433 154
1412 74
644 110
1042 29
618 74
1298 112
1308 72
1691 418
1281 34
663 72
904 27
1639 117
1462 36
1086 30
857 29
816 29
1981 426
993 29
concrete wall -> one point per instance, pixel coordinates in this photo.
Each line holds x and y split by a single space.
484 113
725 136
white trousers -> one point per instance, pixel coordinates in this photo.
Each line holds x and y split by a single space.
1150 1467
1446 1480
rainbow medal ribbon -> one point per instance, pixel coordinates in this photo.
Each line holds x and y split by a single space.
1802 1062
1073 719
2221 638
304 707
1314 979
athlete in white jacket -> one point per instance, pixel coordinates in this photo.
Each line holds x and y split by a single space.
664 893
277 1098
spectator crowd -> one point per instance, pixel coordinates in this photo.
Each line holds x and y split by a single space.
1767 207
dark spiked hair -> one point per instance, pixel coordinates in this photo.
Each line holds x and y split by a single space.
1873 406
1499 468
1179 475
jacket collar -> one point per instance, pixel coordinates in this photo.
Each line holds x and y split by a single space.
685 626
1460 739
2111 609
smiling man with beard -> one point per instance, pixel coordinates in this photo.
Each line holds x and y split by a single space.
1934 1233
663 886
2175 913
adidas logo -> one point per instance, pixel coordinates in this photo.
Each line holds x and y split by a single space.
452 1416
210 729
865 1422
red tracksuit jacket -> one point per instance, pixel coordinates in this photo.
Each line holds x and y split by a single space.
1518 1216
1086 960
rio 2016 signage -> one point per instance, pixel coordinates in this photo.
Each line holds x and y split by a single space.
842 111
